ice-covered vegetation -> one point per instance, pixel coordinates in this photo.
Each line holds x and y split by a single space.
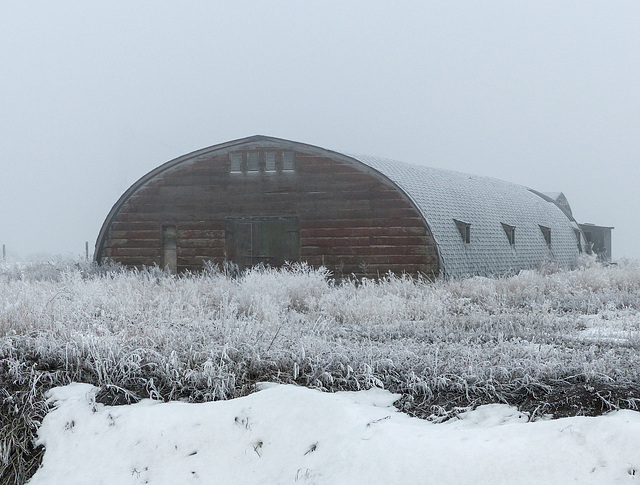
549 342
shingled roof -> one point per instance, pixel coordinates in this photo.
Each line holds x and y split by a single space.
486 205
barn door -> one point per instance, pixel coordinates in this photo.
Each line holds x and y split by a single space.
170 249
263 240
242 237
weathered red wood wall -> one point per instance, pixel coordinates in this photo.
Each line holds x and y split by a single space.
351 220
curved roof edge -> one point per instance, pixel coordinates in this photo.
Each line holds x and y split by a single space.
486 205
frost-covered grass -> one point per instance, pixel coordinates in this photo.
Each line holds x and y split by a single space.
549 342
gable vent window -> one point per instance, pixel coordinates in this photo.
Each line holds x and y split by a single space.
510 231
253 162
236 163
546 232
270 162
465 230
262 161
287 161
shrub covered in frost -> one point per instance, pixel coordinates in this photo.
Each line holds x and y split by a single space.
548 341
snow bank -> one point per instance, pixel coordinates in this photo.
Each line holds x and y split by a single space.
285 434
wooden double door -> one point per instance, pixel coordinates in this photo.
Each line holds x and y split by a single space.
262 240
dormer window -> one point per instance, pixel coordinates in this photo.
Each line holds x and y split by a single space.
510 231
546 232
465 230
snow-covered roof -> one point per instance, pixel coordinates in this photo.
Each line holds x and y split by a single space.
444 197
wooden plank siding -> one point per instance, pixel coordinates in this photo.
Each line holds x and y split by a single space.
351 220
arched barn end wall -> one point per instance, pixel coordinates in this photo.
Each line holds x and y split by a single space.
329 210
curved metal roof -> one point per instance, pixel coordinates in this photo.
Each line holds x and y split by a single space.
442 197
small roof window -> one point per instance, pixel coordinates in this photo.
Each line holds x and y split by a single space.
510 231
546 232
465 230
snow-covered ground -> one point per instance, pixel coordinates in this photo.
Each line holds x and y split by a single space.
563 342
286 434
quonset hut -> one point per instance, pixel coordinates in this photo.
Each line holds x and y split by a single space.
267 200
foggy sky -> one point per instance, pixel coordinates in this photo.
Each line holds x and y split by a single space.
93 95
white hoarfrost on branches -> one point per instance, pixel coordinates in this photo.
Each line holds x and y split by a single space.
561 343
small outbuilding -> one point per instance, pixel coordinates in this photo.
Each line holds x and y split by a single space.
598 240
264 200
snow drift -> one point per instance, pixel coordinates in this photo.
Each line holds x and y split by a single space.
286 434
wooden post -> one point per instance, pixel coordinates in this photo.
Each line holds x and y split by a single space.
86 250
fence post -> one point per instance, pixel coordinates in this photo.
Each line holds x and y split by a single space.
86 250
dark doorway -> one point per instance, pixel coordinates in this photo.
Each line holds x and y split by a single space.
263 240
